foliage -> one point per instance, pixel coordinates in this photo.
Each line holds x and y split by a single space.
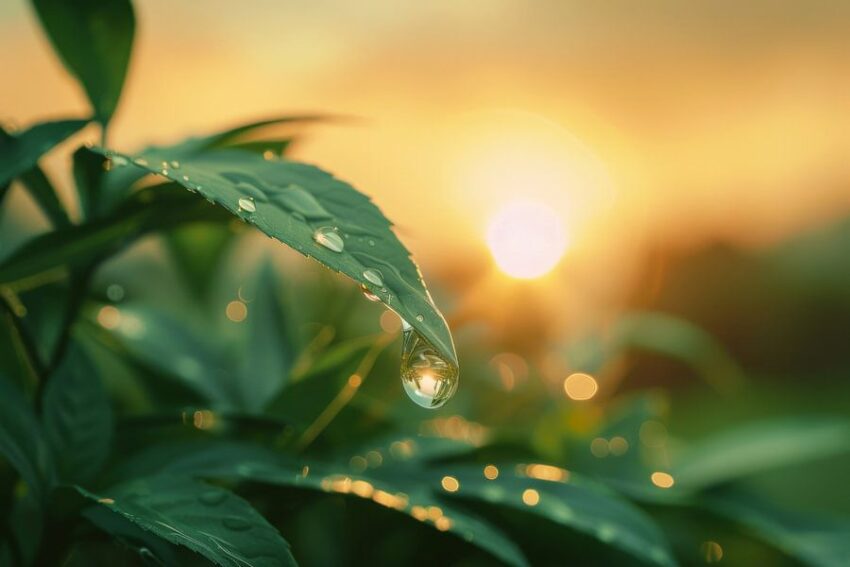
139 424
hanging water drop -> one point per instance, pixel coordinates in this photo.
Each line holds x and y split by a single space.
368 294
329 238
119 161
141 161
427 377
247 205
374 276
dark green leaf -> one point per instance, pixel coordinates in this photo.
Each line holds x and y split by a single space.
269 351
291 201
77 418
20 152
22 442
151 209
210 520
399 492
759 447
814 541
197 250
88 177
94 39
45 195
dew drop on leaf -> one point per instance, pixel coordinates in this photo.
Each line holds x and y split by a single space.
175 164
329 238
420 318
246 204
119 161
374 276
140 161
429 380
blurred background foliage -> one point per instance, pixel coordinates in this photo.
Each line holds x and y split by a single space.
672 390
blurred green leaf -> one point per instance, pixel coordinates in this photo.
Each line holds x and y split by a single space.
754 448
155 208
22 442
93 38
20 152
268 351
681 340
45 195
210 520
198 250
291 201
77 418
814 541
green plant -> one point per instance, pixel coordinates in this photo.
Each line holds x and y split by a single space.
138 424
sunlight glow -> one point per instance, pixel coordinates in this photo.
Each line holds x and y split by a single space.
527 238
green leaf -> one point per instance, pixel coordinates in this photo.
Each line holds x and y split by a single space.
681 340
77 418
751 449
818 542
45 195
197 250
20 153
154 208
290 201
209 520
94 39
269 350
244 462
576 504
88 177
22 442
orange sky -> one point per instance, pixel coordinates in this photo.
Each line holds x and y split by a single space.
632 120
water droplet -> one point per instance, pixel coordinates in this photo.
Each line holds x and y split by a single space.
329 238
213 497
119 161
185 178
246 204
175 164
237 524
427 377
420 318
141 161
374 276
367 293
164 166
371 242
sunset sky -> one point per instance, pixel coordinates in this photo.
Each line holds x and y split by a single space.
630 122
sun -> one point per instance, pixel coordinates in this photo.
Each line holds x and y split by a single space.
527 238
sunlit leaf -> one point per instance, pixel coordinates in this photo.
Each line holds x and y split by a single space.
94 39
296 203
209 520
576 504
77 418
